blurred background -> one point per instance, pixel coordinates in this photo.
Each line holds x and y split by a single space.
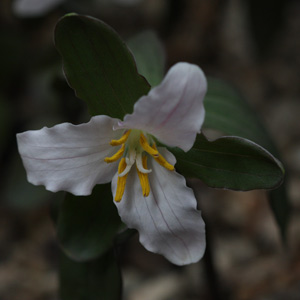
254 45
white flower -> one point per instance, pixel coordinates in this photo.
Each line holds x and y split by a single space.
150 196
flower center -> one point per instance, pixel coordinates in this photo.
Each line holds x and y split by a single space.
135 148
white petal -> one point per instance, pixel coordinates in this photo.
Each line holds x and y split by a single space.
173 111
167 220
70 157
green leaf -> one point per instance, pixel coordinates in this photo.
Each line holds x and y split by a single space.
228 112
99 66
149 56
87 225
231 163
99 279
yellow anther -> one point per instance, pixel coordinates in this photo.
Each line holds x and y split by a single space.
121 181
121 140
116 156
144 179
145 145
162 161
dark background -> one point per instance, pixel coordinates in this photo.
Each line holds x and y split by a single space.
255 46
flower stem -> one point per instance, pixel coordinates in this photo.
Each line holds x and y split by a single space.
213 281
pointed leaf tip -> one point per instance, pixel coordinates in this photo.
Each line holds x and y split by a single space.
228 112
232 163
98 65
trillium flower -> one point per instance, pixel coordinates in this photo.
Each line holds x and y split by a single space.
149 194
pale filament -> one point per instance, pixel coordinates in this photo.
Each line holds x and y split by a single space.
139 164
135 147
129 162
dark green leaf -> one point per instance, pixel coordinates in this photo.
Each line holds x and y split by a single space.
87 225
149 56
99 279
281 208
230 162
99 66
229 113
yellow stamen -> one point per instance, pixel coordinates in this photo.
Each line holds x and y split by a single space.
121 140
116 156
162 161
121 181
145 145
144 178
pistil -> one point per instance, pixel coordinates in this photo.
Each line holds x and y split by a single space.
134 146
129 161
140 165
